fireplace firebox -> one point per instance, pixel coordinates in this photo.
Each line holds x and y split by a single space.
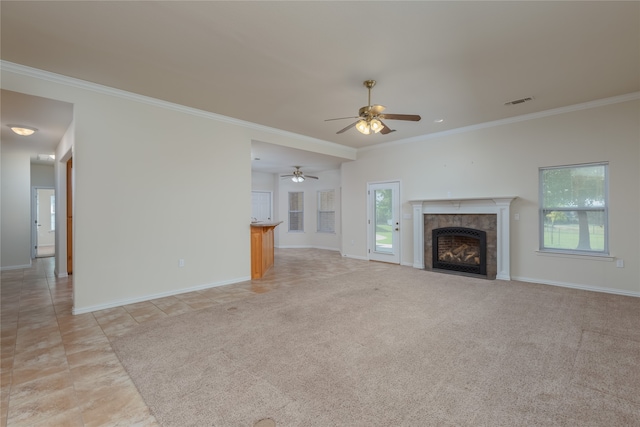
460 249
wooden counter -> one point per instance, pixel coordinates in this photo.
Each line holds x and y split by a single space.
262 247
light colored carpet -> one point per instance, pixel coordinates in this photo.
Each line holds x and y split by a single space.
395 347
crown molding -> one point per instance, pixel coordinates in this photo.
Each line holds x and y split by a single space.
106 90
82 84
531 116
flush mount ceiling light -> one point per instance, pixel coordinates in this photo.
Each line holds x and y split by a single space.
23 130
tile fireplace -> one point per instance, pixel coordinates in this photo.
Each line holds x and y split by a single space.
471 236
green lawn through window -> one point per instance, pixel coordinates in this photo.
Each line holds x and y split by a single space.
566 236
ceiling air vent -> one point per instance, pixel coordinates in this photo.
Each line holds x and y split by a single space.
519 101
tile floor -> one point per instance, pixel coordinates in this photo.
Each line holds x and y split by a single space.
58 369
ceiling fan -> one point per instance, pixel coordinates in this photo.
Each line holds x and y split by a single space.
298 176
370 117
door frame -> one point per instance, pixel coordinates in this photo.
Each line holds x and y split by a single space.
34 216
396 256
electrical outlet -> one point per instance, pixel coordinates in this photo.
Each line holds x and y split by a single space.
516 217
620 263
180 262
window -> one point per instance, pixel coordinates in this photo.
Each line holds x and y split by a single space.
296 211
326 211
573 209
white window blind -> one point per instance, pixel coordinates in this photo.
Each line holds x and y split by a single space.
326 211
574 208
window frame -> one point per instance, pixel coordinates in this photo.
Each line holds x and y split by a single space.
299 212
543 211
320 212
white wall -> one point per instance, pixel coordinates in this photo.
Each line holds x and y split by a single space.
42 176
15 227
262 181
504 161
152 187
310 238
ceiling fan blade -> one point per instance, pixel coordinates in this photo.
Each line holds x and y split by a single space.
347 128
409 117
377 109
341 118
312 177
385 129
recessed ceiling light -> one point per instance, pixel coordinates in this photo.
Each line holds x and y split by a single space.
438 121
23 130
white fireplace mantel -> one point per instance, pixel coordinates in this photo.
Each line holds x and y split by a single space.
479 205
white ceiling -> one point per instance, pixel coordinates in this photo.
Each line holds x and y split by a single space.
291 65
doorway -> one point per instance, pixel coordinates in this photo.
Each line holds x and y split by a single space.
383 222
44 222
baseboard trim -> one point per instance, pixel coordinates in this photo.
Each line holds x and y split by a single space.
15 267
307 247
60 275
127 301
363 258
577 286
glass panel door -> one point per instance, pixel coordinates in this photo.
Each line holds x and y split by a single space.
384 222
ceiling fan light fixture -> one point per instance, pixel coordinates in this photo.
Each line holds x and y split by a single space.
23 130
375 125
299 178
363 127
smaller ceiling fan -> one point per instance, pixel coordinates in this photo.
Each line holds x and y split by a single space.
370 117
298 176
